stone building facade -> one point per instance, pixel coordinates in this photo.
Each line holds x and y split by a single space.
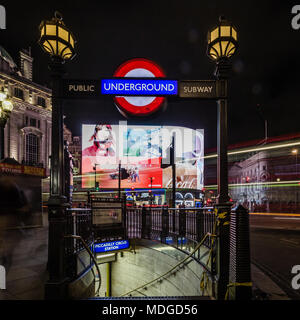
27 133
262 177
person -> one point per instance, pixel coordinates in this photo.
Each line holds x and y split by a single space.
103 142
13 215
136 174
129 174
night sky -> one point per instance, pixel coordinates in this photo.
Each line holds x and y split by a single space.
266 68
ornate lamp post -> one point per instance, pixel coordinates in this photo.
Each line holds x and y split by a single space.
222 44
58 41
5 109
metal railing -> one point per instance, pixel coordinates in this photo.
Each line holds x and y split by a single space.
78 236
78 222
75 237
171 270
201 233
165 223
186 229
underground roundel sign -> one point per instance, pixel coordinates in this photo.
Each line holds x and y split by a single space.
139 68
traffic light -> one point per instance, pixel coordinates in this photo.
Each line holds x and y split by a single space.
132 192
97 186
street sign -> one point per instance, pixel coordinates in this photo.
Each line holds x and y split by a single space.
85 89
138 87
205 89
139 68
111 246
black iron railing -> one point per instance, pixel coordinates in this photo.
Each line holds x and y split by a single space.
192 231
78 223
182 228
195 231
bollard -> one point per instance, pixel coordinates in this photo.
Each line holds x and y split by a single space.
240 286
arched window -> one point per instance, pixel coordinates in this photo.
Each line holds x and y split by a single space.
32 149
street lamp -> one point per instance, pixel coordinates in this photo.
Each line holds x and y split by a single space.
222 40
150 191
57 41
5 109
222 44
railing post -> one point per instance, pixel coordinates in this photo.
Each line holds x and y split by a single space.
174 220
124 218
240 287
222 212
144 221
164 224
199 225
182 223
149 222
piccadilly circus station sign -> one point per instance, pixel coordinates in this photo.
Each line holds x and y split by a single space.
139 88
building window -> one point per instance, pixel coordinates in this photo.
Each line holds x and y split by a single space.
39 124
32 122
41 102
19 93
26 121
32 149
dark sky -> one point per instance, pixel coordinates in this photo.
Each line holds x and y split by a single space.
173 33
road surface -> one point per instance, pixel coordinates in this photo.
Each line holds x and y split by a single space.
275 248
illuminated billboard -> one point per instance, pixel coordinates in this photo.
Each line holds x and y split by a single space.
144 154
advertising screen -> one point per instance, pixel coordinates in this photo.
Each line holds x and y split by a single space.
144 155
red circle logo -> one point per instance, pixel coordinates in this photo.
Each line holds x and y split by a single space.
139 68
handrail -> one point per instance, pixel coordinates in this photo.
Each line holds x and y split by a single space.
176 266
91 255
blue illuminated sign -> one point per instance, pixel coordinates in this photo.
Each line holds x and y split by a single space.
139 87
111 246
170 240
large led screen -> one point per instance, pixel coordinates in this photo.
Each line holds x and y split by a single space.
144 154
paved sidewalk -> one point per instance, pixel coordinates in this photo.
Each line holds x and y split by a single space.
265 287
26 275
